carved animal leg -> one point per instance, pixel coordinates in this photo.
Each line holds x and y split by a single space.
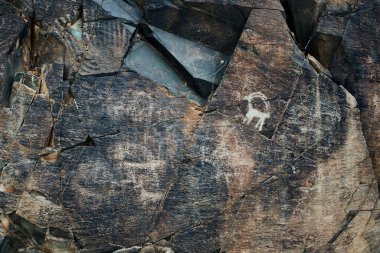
260 124
248 120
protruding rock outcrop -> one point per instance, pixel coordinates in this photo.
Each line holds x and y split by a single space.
189 126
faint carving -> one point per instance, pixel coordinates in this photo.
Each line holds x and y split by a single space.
254 113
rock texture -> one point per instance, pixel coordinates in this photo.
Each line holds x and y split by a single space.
189 126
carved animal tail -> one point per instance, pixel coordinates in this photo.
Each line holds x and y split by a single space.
261 96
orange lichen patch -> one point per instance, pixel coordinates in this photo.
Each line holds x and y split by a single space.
165 91
4 224
62 172
44 87
14 145
52 157
192 117
70 99
12 189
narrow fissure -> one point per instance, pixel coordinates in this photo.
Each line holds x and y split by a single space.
347 220
89 142
302 18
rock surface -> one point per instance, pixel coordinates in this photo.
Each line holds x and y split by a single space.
189 126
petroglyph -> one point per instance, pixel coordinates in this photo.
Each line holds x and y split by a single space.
255 113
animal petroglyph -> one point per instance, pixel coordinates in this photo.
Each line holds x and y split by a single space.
254 113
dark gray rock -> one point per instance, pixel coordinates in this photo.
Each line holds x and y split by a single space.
108 42
118 148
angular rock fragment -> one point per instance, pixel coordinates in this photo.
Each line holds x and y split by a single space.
56 88
25 6
260 97
38 210
8 202
13 52
65 11
188 126
92 11
214 26
147 61
343 42
204 65
107 46
197 53
30 80
303 16
327 38
356 66
14 177
127 10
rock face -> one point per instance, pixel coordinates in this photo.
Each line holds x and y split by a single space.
189 126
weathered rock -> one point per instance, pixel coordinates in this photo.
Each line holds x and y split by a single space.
13 48
107 46
345 41
215 26
65 11
112 152
356 66
303 16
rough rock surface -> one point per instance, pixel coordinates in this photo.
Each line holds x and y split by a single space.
189 126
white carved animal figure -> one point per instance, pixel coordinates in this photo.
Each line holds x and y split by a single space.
254 113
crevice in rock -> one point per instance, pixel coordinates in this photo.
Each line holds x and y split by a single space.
29 79
78 243
68 66
16 60
323 47
26 113
107 135
35 28
302 18
161 206
114 73
70 99
349 217
130 44
89 142
51 141
282 172
202 223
